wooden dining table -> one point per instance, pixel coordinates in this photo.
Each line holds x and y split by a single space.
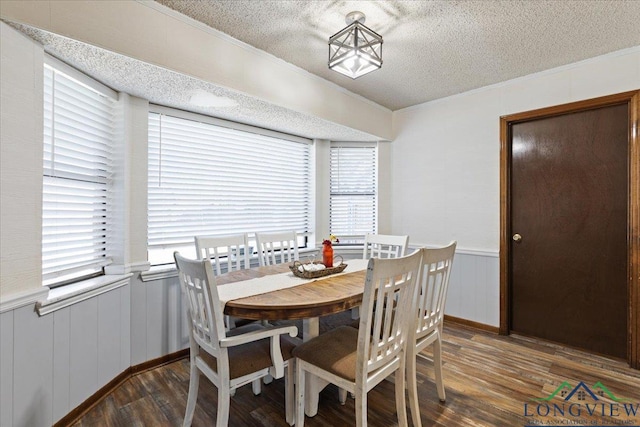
308 302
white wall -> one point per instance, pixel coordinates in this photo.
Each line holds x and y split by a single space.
21 154
48 364
445 167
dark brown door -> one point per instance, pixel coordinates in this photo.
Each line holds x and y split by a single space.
569 192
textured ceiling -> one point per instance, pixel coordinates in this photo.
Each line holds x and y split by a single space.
164 87
432 49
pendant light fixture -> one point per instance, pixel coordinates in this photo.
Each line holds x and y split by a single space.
355 50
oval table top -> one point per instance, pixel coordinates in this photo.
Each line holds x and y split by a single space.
326 295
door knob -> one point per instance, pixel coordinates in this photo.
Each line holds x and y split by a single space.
517 238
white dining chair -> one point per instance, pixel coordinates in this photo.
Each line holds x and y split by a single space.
384 246
277 248
431 297
381 246
229 359
356 360
226 253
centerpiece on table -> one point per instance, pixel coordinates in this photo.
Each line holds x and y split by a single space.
327 250
317 269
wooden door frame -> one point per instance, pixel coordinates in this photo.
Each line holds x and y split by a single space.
632 99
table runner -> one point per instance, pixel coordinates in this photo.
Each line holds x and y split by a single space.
275 282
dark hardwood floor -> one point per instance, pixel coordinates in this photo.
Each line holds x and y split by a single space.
489 379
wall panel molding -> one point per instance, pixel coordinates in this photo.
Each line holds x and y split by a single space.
15 301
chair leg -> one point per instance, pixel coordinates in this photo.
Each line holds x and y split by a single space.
256 387
267 379
289 393
194 382
299 394
412 388
437 364
342 396
401 406
361 408
224 400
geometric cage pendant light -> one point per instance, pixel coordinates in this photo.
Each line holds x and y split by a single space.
355 50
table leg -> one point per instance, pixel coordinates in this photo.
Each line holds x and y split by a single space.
313 384
310 328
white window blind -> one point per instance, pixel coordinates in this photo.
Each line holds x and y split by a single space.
207 179
353 193
76 194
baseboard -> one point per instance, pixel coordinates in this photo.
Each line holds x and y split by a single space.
125 375
471 324
94 399
160 361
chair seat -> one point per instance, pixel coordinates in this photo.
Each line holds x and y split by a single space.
335 351
251 357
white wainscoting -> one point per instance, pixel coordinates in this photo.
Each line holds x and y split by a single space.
6 368
158 320
51 364
474 288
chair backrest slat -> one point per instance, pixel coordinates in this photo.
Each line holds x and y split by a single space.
433 284
203 304
384 246
383 330
231 252
277 248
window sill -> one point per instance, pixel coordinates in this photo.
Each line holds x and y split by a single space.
158 273
65 296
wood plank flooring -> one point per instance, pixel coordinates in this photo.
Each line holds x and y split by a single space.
488 379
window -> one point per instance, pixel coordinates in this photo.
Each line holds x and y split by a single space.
211 177
353 192
77 176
